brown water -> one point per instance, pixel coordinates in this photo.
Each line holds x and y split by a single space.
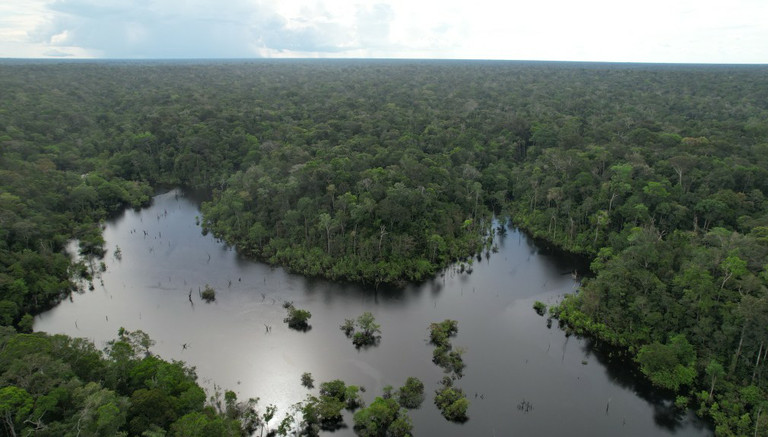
511 355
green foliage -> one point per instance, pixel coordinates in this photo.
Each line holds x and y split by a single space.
540 308
439 333
321 413
683 305
353 398
668 365
203 424
208 294
714 370
307 380
297 319
8 312
15 407
133 343
268 415
386 392
364 331
348 395
451 401
65 386
400 176
411 395
384 417
348 327
26 323
681 402
336 389
444 355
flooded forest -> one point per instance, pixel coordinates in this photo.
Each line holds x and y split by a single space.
295 247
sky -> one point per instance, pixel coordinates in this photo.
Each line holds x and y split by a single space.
674 31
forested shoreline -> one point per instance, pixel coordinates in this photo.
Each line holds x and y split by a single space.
388 171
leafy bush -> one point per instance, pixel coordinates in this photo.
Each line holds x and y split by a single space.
297 319
411 395
383 417
451 401
307 380
364 331
208 294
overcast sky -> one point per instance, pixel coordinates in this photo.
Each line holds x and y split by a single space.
707 31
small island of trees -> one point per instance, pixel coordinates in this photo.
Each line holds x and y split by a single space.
445 355
364 331
384 417
297 319
208 294
307 380
450 400
411 395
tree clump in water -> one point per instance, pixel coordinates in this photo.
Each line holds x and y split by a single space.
208 294
445 355
451 401
364 331
297 319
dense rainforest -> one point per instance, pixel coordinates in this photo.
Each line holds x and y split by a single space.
384 172
60 386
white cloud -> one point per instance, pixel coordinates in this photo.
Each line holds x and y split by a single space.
57 54
590 30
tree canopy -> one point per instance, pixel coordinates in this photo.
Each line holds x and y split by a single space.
56 385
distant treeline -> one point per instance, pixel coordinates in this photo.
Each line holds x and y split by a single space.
385 172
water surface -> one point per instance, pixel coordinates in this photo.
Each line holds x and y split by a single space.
511 355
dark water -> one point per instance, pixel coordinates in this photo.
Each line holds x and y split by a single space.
511 355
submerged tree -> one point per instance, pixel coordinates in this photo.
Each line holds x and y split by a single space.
445 355
411 395
384 417
451 401
439 333
321 413
364 331
307 380
297 319
367 331
348 327
208 294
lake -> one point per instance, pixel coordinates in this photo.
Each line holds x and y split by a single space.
511 355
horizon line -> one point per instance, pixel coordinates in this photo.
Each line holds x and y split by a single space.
321 59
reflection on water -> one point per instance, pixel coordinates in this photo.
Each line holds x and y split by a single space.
240 342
